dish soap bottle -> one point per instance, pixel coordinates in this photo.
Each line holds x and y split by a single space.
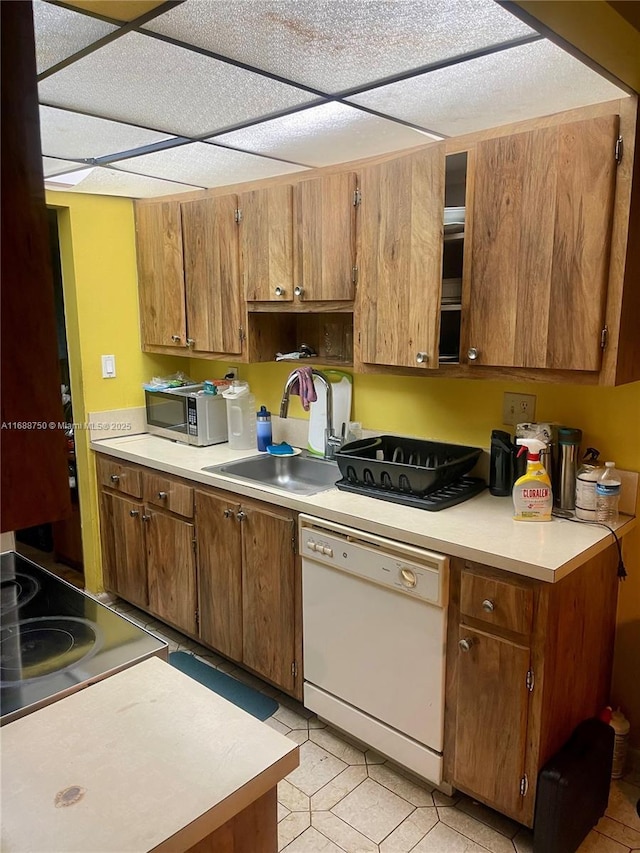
532 496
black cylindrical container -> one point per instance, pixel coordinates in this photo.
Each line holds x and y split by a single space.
502 465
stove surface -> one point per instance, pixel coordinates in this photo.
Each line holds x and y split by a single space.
55 639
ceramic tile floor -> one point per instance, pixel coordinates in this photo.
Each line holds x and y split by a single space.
344 798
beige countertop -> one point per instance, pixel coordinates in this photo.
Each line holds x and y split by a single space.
160 761
480 529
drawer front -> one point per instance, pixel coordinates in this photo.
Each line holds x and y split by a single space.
168 493
115 475
501 604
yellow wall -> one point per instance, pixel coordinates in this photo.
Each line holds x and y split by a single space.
97 241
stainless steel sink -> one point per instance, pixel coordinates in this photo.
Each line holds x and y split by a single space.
302 475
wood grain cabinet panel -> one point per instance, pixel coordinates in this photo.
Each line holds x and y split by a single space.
122 478
212 278
167 492
542 217
325 237
123 550
400 260
266 244
219 573
160 274
500 604
268 595
171 569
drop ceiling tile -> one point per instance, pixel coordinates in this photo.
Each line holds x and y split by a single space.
104 181
324 135
144 81
524 82
51 166
59 33
333 46
80 137
206 165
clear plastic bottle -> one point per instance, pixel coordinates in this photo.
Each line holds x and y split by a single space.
241 416
608 494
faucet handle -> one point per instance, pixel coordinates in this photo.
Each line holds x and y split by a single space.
332 443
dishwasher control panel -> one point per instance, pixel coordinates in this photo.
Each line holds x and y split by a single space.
414 571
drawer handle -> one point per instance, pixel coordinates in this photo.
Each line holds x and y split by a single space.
114 478
488 605
134 513
466 643
162 496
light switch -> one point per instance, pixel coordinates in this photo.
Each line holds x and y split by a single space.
108 366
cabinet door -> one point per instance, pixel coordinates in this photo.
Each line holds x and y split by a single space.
266 244
325 254
220 573
491 719
210 235
171 569
160 274
401 228
268 597
542 217
123 552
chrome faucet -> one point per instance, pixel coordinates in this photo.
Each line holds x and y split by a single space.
331 441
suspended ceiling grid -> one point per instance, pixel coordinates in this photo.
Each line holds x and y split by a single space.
204 93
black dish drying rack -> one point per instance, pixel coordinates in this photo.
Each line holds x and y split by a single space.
409 471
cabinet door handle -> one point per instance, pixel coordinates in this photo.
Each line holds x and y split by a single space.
146 517
298 291
176 339
488 605
134 513
465 644
279 291
114 478
162 496
190 342
228 513
422 357
241 515
473 354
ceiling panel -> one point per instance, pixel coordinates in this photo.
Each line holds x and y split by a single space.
60 33
80 137
206 165
324 135
144 81
524 82
333 46
51 166
103 181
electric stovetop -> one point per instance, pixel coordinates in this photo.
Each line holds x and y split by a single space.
55 639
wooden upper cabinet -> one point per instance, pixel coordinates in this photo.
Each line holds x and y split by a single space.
325 237
542 216
401 230
160 274
266 244
211 270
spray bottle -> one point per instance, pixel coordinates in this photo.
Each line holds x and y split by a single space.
532 496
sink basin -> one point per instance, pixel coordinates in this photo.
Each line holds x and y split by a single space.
302 475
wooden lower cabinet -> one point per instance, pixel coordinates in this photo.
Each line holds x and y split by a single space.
526 662
171 569
124 562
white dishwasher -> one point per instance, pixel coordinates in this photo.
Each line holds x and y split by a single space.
374 625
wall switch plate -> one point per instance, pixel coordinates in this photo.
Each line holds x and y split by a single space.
518 408
108 366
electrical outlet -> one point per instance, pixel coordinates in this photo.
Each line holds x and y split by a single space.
518 408
231 373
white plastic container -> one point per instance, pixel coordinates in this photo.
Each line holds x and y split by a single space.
608 494
587 476
621 726
241 416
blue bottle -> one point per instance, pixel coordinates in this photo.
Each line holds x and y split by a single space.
263 428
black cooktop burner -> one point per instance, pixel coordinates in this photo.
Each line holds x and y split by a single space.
443 498
55 638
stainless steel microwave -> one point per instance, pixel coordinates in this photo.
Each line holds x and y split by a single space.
187 414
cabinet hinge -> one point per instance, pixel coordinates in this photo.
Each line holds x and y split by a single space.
241 334
357 197
354 275
530 681
238 215
294 669
197 617
619 149
524 785
194 544
604 337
